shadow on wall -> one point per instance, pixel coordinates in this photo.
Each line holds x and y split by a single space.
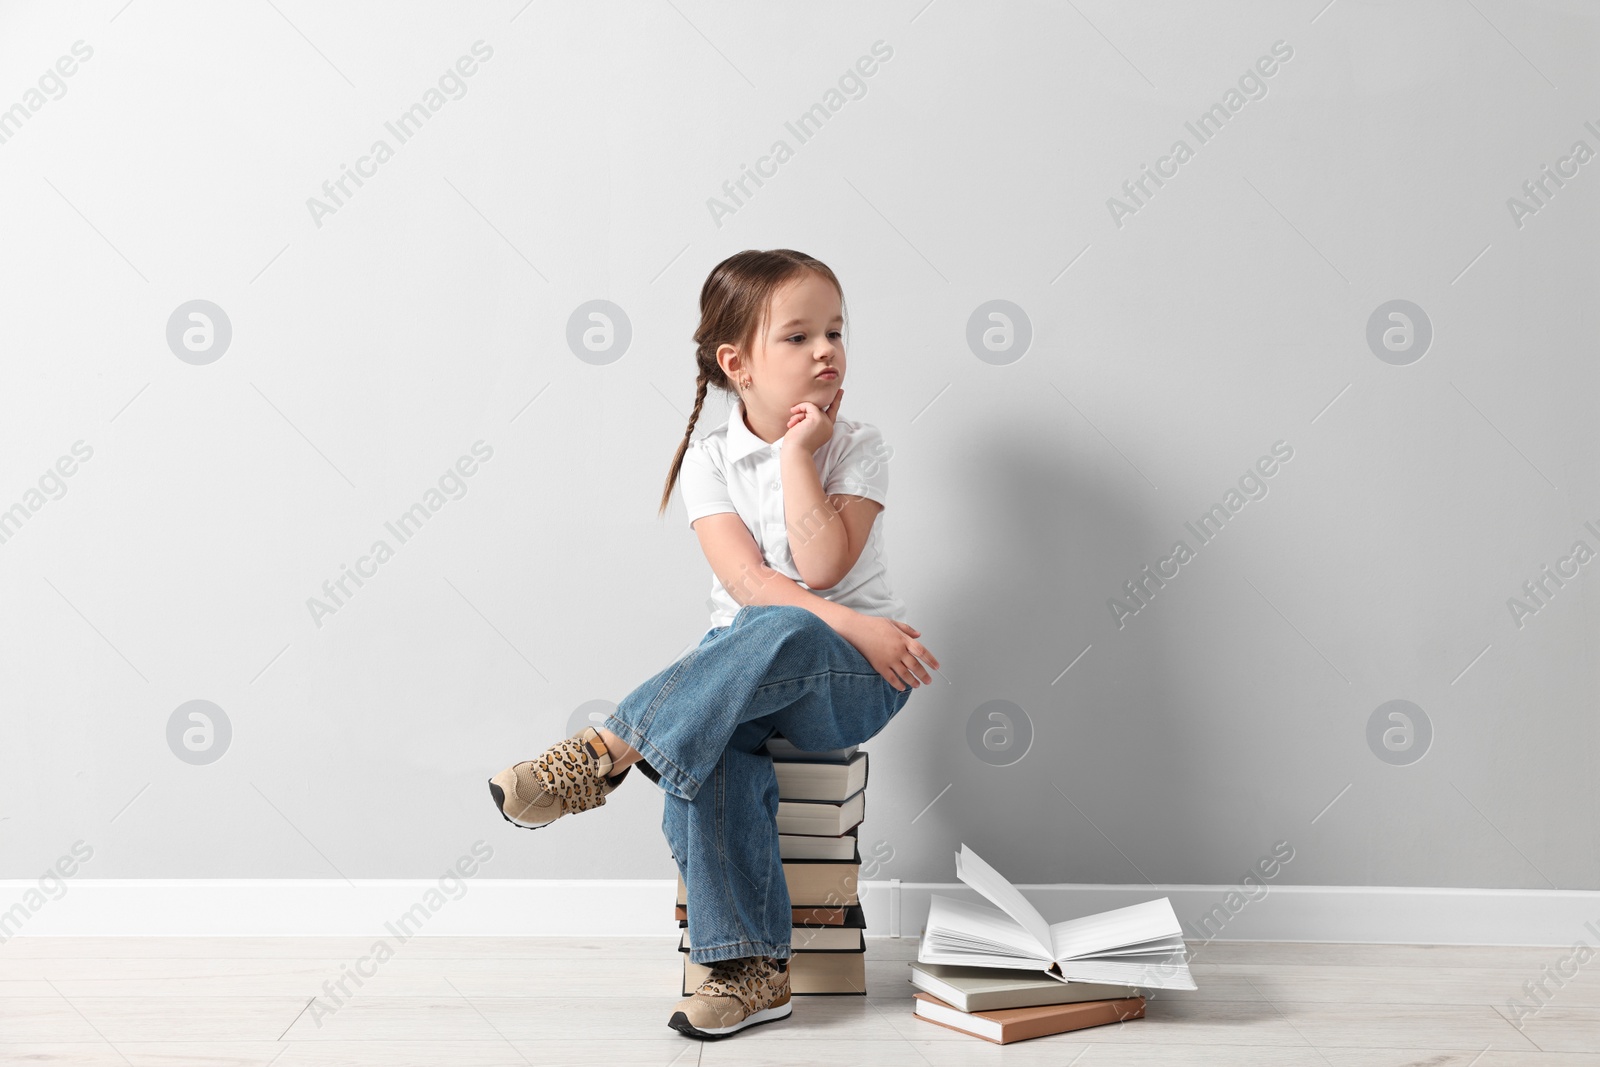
1026 593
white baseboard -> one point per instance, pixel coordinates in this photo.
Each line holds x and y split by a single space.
490 907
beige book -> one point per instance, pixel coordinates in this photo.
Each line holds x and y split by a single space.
992 988
817 846
799 780
821 817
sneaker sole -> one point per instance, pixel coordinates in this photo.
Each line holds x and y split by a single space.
500 805
680 1022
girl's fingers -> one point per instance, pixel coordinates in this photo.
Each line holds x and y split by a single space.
913 670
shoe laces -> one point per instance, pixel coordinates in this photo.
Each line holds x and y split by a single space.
582 791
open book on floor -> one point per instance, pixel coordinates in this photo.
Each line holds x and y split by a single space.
1139 945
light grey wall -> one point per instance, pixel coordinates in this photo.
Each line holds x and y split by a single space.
371 347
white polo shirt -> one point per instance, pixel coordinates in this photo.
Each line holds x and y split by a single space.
731 469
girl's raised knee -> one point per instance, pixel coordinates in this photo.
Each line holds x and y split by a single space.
794 617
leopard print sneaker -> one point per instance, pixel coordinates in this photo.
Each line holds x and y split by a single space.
737 994
572 775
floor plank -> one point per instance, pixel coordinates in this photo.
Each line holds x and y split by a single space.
486 1002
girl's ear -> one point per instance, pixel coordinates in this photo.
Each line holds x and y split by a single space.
727 357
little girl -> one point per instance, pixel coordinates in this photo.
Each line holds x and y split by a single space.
807 639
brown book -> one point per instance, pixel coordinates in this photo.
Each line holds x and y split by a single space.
1005 1025
810 973
802 916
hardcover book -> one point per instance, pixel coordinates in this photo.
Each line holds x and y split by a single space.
780 747
989 988
821 781
821 817
1005 1025
1139 945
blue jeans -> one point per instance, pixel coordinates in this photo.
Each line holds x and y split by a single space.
700 725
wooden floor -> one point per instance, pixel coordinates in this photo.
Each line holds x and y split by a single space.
476 1002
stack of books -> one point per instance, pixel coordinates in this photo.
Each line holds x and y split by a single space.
821 803
1004 974
1005 1006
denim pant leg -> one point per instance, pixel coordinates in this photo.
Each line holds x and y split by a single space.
700 724
725 842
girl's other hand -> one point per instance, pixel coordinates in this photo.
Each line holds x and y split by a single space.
892 649
811 427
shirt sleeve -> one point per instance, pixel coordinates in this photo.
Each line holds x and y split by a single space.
862 468
703 484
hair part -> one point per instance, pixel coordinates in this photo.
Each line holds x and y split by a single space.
735 302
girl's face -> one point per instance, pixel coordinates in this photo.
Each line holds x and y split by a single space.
802 339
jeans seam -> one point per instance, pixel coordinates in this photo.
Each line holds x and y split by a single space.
822 674
650 713
667 686
657 759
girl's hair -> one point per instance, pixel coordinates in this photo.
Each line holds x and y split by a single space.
734 303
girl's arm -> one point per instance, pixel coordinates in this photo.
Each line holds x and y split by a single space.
737 562
889 646
818 540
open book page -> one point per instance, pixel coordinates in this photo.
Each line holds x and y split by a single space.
1138 945
961 931
1159 972
971 869
1119 928
952 937
1147 948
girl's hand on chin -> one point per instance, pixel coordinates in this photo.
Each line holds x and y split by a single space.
811 427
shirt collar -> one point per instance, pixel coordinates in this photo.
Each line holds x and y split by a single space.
741 442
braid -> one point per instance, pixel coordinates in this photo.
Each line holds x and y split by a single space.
700 383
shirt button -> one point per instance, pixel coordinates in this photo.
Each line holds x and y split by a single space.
776 486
